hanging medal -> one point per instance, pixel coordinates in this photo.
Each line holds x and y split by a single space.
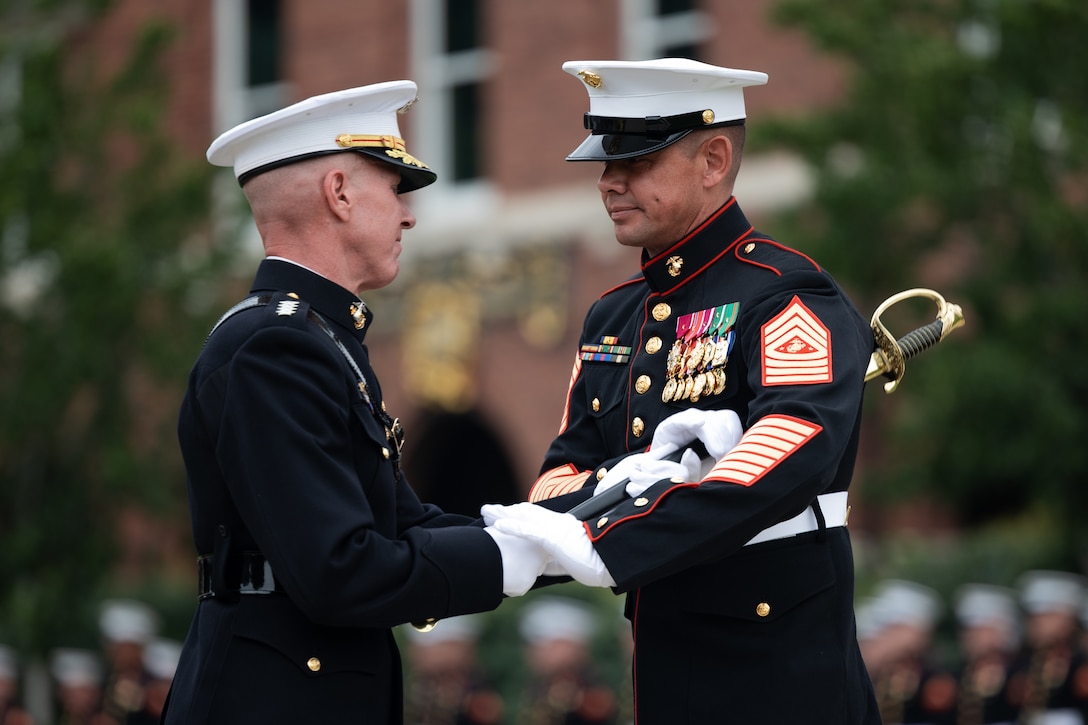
674 363
696 380
724 337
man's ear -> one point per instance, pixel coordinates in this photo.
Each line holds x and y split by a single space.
335 189
718 157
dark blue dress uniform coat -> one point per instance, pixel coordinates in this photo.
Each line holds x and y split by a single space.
285 457
723 632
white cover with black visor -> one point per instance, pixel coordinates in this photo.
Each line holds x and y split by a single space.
638 107
362 120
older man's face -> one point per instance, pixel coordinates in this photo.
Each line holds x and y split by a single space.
377 224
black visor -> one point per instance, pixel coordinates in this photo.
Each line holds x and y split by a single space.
609 146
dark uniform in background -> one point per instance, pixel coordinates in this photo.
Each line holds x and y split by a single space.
989 634
127 627
727 627
563 685
312 544
912 685
12 711
447 684
1049 679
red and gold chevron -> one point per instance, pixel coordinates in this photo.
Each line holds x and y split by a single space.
796 348
770 441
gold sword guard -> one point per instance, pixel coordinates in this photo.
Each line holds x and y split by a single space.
890 357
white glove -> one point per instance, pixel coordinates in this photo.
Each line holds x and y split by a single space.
522 562
650 472
561 535
719 430
631 467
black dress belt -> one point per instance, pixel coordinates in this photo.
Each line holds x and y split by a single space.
247 573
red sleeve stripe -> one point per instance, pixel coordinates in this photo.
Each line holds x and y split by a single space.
766 444
558 481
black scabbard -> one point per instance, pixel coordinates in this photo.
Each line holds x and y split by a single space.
597 505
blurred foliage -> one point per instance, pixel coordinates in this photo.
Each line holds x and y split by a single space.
959 161
100 237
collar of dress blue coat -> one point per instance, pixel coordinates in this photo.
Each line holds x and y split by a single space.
332 301
713 239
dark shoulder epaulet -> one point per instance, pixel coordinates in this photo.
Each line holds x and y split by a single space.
773 256
281 305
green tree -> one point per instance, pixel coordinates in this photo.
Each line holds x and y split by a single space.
101 244
959 161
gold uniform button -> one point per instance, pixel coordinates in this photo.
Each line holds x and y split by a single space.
653 344
763 609
314 664
638 427
602 473
602 521
749 247
596 404
661 312
642 384
385 453
641 501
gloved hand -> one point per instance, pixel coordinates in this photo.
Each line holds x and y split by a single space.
719 430
650 472
631 467
522 562
561 535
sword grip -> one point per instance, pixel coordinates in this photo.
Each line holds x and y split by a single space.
921 339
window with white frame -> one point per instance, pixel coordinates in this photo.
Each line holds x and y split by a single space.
663 29
248 73
451 63
247 81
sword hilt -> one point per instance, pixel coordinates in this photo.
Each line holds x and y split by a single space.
891 355
921 339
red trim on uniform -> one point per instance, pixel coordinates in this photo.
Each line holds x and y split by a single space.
694 275
793 251
746 260
639 515
574 373
732 201
766 444
769 268
558 481
795 348
621 285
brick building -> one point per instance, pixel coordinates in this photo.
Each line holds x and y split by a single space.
474 342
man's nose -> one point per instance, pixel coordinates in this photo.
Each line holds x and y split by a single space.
611 179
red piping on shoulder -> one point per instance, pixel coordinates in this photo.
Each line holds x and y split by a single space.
810 260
